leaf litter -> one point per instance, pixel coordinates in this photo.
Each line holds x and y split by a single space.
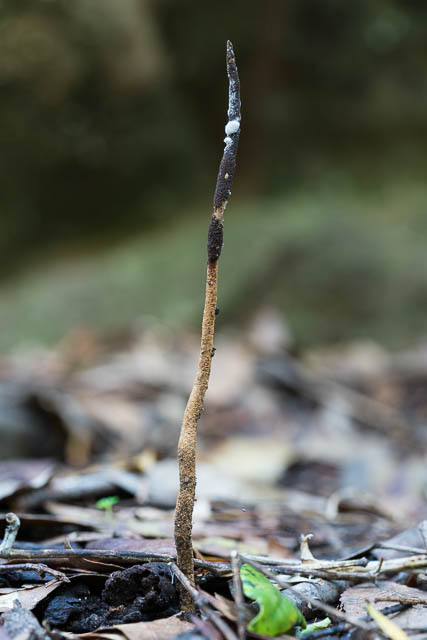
330 443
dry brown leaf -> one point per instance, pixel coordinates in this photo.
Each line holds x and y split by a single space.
83 516
251 459
155 630
206 628
354 598
16 475
221 604
28 597
74 536
105 634
412 538
93 566
221 547
146 545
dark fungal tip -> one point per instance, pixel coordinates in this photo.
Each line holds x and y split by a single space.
215 239
226 168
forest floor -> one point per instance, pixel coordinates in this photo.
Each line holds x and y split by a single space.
311 467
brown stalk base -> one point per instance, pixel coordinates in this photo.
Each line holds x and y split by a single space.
187 441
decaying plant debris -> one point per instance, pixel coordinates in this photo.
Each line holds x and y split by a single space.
79 565
88 590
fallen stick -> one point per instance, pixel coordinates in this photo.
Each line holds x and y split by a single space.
217 568
340 570
128 557
370 572
410 601
318 564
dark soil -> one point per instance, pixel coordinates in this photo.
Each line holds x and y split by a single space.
139 593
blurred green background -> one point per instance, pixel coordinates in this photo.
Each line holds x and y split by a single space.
112 115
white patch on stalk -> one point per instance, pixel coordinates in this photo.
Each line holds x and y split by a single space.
228 141
231 127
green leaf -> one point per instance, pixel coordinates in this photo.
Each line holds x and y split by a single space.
314 626
107 503
277 614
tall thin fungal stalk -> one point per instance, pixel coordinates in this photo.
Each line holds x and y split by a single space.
187 440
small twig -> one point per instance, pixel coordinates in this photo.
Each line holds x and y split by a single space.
402 599
388 611
88 554
318 564
370 572
12 527
315 603
203 604
217 568
342 570
326 573
188 437
395 565
329 570
330 631
377 571
238 596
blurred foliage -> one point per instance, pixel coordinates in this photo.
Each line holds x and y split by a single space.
338 263
111 112
93 139
111 115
